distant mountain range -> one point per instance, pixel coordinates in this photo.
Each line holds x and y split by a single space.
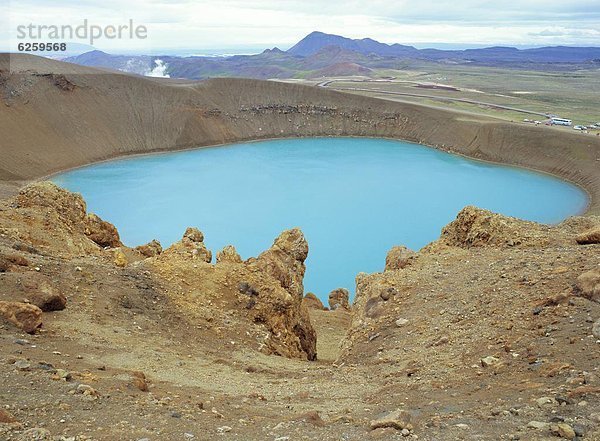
325 55
315 41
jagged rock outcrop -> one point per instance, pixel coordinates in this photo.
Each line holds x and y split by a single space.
22 315
284 261
151 249
191 245
69 206
263 295
475 227
339 298
228 254
311 301
103 233
193 234
58 216
398 257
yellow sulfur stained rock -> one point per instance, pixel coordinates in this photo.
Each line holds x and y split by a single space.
120 259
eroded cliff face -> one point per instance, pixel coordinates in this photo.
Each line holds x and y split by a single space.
259 300
266 291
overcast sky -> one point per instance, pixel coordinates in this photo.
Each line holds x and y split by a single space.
221 24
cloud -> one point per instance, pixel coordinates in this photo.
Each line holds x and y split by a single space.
570 33
220 24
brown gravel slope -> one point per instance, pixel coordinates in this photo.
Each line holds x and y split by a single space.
58 115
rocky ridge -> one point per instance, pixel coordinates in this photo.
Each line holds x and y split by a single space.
490 332
266 292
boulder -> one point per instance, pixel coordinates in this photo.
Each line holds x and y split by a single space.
119 258
101 232
339 298
399 257
596 329
36 434
539 425
311 301
563 430
6 417
228 254
48 300
87 390
588 285
23 315
39 291
546 402
35 288
311 417
11 261
139 381
399 420
5 264
589 237
151 249
490 360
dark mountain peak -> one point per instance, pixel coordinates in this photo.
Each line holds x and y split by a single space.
95 53
89 58
275 50
498 49
315 41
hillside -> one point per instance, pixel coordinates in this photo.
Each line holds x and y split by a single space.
114 114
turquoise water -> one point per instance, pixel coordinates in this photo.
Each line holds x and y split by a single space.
353 198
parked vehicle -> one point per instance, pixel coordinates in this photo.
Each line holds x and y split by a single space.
561 121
